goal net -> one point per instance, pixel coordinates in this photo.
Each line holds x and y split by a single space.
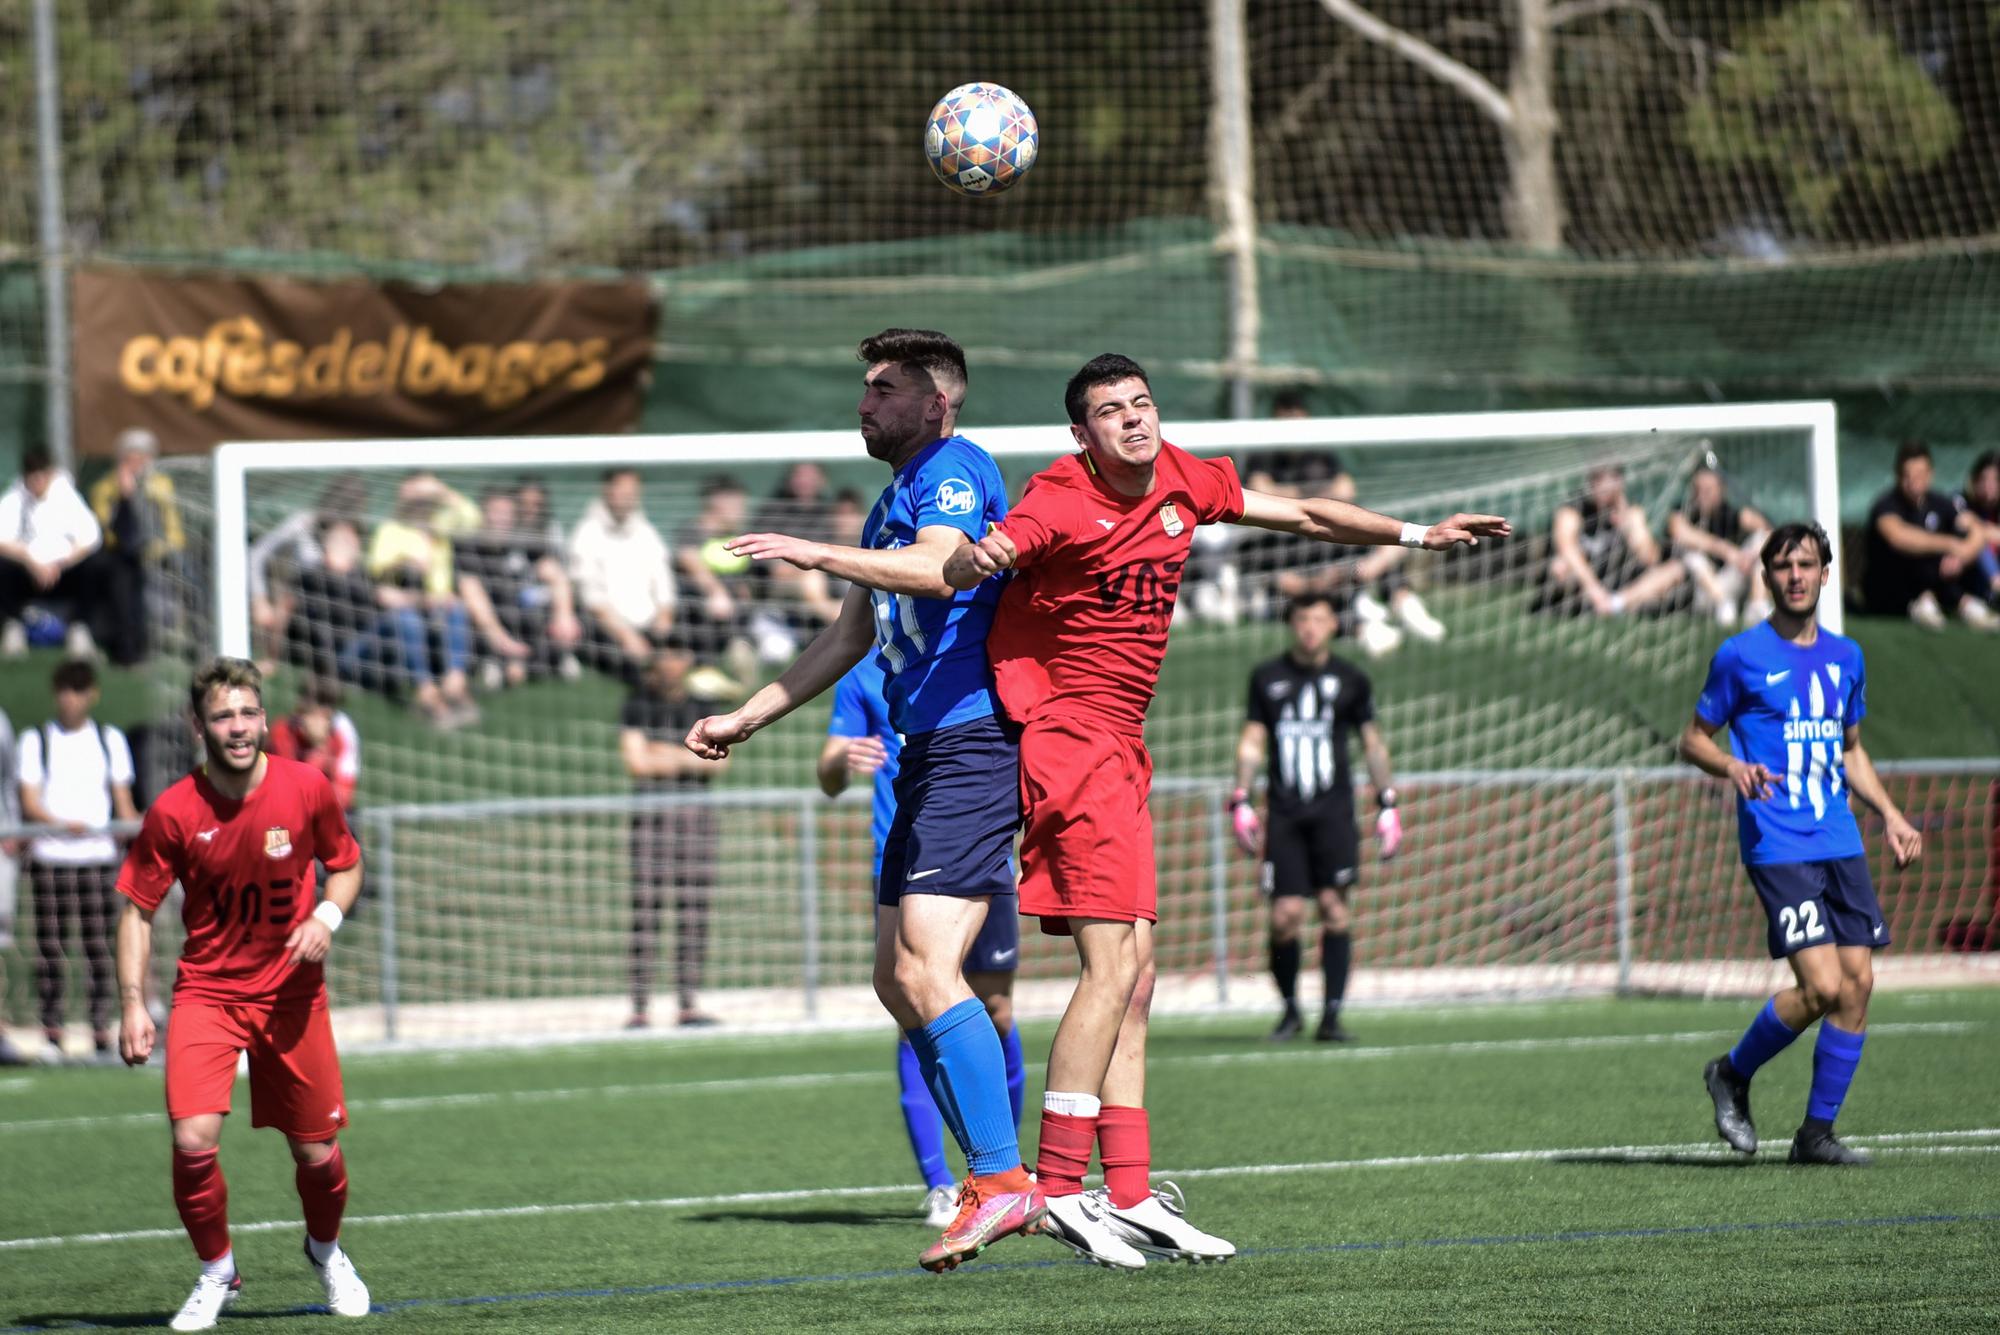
1553 846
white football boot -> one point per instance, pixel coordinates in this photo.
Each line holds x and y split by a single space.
940 1206
346 1295
1081 1223
1417 618
1158 1227
204 1306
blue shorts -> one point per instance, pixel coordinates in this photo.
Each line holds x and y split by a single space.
958 802
997 948
1818 904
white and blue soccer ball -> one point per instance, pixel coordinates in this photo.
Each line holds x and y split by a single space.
981 139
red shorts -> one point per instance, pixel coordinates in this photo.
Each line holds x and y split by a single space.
1087 832
294 1071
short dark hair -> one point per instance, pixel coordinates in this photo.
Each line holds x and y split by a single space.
226 672
1290 401
1107 368
318 693
1911 449
35 458
721 484
848 496
1311 598
1797 534
74 674
615 472
1990 459
937 355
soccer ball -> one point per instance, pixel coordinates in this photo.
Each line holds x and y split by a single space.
981 139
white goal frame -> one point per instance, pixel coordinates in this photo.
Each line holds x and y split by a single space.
235 461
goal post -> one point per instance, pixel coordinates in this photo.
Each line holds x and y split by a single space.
1554 846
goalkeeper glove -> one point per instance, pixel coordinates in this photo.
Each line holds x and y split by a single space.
1389 823
1249 830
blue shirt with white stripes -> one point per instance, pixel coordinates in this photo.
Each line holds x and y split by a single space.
933 650
1788 708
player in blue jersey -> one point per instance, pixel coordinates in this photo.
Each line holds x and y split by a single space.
1792 696
948 854
860 743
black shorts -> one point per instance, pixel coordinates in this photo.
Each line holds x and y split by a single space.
1828 903
1312 850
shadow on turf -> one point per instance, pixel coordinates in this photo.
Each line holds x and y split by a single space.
1670 1158
846 1218
104 1320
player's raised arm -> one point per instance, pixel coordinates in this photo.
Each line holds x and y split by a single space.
824 661
1357 526
1904 841
135 957
911 570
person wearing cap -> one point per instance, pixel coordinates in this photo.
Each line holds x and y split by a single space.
141 518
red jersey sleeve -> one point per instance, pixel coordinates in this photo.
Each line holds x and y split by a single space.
1039 525
1218 492
151 865
332 840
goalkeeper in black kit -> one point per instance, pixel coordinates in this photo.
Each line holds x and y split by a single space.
1303 706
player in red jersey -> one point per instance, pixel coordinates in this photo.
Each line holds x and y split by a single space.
241 835
1098 545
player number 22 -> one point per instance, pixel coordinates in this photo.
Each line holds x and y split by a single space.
1801 923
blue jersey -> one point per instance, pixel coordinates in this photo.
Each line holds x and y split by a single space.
934 649
1787 708
860 711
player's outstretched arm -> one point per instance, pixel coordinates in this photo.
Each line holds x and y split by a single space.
1357 526
823 662
1699 748
1905 843
976 561
134 952
912 570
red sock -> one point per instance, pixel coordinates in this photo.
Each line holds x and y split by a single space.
1064 1156
202 1197
323 1192
1125 1146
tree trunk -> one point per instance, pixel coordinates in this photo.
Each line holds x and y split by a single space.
1534 207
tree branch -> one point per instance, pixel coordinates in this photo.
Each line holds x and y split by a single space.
1474 85
1574 10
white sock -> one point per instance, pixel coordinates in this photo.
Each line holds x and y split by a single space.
222 1267
1072 1105
322 1252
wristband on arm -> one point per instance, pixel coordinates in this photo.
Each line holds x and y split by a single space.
329 914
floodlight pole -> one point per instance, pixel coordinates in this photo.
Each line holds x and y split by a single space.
55 279
1235 202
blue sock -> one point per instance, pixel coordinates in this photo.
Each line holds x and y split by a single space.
925 1052
1017 1073
1835 1056
921 1119
969 1081
1766 1037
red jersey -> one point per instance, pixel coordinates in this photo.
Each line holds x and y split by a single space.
247 868
1081 630
339 759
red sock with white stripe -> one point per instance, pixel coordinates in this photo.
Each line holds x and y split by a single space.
202 1197
1125 1147
1069 1129
323 1193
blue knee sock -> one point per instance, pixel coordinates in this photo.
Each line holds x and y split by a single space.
1835 1056
1766 1037
1017 1072
926 1054
921 1119
968 1077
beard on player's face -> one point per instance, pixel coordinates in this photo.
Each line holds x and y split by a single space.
233 744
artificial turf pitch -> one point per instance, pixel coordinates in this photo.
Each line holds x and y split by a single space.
1528 1167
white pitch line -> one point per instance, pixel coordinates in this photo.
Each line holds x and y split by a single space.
1704 1149
807 1080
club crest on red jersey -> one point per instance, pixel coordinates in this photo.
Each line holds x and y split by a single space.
277 842
1170 520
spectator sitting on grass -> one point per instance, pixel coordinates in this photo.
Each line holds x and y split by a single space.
1603 558
1921 547
279 560
1981 500
1719 541
517 594
410 560
51 551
